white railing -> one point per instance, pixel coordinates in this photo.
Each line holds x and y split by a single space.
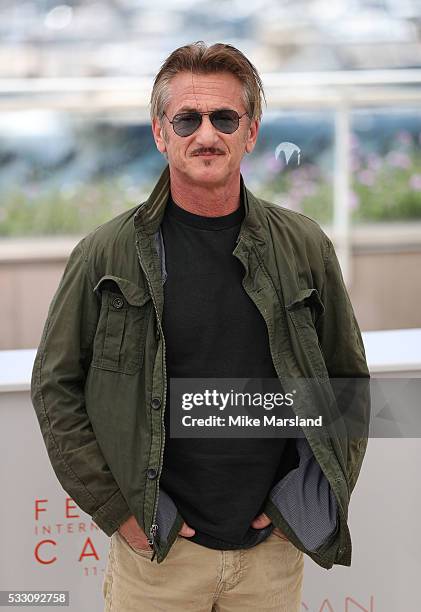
340 91
395 353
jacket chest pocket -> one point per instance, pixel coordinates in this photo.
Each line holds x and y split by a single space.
304 311
119 342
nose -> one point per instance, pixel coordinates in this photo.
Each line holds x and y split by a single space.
206 134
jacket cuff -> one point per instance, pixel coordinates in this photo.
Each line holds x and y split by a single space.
112 514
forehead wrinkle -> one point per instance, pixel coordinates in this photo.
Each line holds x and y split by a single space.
195 100
213 85
190 91
205 88
194 92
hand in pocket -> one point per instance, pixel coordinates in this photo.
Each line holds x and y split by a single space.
261 521
134 535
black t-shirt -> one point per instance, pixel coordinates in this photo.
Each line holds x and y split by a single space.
214 330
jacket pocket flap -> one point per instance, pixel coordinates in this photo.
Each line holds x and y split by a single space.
307 297
131 292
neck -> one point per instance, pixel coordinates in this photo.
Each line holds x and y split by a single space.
205 200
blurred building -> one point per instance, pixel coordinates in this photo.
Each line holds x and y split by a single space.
131 37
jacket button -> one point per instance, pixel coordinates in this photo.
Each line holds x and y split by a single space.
156 403
117 302
151 473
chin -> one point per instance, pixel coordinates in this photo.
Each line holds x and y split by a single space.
208 172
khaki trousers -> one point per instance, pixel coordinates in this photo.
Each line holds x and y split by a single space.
192 578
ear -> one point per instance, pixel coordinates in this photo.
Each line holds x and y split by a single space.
252 132
158 134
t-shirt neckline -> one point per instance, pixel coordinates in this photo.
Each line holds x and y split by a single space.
199 221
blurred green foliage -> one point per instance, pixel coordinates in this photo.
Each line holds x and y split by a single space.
384 187
29 212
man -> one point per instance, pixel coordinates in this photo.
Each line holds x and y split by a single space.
203 280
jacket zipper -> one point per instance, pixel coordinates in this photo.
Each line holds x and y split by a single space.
154 527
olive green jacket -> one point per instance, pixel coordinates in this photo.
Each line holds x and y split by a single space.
99 377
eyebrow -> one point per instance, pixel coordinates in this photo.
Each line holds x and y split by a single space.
189 109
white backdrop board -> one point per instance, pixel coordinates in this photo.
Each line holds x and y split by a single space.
47 543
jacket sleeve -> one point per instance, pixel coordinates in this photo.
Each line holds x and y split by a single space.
57 392
343 350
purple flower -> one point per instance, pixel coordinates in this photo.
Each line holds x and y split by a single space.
297 177
404 137
415 182
287 201
373 161
354 141
306 188
275 165
355 163
354 200
366 177
292 202
312 170
31 189
398 159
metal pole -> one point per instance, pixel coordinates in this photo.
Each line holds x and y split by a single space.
341 196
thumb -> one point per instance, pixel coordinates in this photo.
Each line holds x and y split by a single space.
261 521
186 530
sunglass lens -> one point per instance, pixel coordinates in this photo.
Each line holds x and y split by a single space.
225 121
186 123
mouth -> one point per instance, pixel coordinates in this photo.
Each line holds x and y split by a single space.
207 154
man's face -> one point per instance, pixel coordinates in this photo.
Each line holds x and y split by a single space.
207 156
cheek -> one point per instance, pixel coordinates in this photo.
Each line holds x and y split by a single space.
239 147
180 153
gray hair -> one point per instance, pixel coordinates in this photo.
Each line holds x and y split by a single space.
200 58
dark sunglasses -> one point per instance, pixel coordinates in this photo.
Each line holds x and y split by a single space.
226 121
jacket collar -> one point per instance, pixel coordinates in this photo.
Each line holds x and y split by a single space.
148 216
